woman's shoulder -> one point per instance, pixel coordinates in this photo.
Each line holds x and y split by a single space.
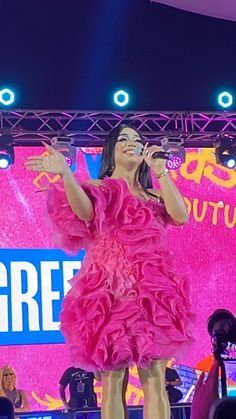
19 390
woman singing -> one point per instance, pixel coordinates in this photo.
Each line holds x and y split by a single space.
127 305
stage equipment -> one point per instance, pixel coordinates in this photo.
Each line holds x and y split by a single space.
225 99
121 98
90 128
7 155
174 146
65 145
225 151
221 326
7 97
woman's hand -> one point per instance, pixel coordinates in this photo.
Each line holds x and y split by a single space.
157 165
54 162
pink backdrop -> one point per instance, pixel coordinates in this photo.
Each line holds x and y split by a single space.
205 247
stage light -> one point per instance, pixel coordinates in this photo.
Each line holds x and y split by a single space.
174 163
7 97
231 163
65 146
174 145
225 152
121 98
4 161
7 155
225 99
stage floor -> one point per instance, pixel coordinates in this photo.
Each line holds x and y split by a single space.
178 411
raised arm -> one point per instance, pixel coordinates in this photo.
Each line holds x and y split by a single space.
56 163
174 202
77 198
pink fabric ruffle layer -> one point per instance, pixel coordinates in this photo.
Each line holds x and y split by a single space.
127 305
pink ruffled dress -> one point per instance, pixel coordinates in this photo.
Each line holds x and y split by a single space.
127 305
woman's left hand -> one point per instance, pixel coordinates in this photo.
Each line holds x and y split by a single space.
157 165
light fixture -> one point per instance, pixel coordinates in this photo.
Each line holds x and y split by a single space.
174 145
7 155
121 98
225 152
65 146
225 99
7 97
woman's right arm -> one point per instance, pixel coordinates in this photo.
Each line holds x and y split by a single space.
55 162
77 198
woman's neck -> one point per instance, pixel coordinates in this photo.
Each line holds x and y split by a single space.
9 390
130 176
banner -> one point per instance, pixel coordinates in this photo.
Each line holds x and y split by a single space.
33 283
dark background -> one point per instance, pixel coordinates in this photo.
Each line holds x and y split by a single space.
73 54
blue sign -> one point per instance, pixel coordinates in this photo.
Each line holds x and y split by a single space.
33 283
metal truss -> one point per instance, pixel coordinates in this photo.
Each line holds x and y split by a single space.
89 128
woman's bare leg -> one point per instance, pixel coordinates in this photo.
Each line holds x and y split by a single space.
124 389
156 403
112 400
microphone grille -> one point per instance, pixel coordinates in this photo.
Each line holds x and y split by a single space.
138 149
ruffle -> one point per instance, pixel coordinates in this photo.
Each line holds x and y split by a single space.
114 207
127 305
71 233
124 311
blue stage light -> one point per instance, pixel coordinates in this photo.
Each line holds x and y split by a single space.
7 97
121 98
225 99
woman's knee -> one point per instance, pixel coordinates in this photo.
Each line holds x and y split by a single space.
113 384
116 376
114 379
156 372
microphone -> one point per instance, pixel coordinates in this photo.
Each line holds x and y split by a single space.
166 155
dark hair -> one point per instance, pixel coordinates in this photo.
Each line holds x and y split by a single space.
108 158
223 409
